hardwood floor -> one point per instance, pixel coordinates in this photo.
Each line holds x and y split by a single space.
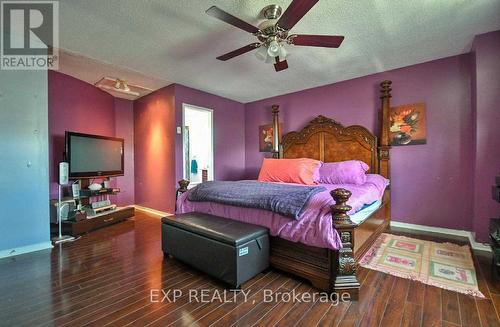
106 277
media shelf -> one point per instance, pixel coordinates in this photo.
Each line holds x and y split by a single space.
86 193
91 223
76 228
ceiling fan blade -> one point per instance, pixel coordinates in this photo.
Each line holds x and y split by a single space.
230 19
239 51
295 11
280 65
326 41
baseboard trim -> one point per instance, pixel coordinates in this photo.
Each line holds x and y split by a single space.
152 211
446 231
25 249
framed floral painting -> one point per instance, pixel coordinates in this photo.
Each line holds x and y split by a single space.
408 124
266 137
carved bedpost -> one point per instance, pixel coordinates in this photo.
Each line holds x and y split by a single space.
385 143
276 131
384 140
345 265
183 186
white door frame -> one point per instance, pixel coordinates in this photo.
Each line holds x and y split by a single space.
211 171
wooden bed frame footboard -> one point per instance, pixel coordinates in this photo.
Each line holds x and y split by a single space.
329 270
327 140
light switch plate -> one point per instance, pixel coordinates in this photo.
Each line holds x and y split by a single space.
179 130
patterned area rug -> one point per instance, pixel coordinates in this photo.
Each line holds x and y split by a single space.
443 265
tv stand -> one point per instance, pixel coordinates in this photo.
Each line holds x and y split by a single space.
99 220
76 228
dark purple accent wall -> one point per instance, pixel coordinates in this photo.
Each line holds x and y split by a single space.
486 104
432 183
229 132
158 148
124 128
77 106
154 149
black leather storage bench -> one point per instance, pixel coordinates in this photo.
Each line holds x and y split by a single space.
226 249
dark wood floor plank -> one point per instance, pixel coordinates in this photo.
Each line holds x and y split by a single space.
99 292
105 279
491 276
149 313
334 315
366 293
218 311
299 310
93 281
416 292
244 307
361 274
450 308
80 304
377 304
482 284
264 307
487 313
496 303
468 310
182 306
394 310
99 311
314 316
280 310
179 303
412 315
431 315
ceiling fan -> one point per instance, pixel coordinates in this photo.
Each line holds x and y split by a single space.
273 33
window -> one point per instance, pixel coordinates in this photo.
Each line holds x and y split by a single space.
198 156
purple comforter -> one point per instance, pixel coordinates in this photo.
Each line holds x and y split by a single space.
285 199
315 225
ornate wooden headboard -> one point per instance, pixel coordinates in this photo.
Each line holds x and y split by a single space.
329 141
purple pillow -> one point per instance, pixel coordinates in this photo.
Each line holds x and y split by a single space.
343 172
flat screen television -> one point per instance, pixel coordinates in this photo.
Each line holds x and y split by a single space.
94 155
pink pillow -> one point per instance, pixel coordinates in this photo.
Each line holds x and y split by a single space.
343 172
300 171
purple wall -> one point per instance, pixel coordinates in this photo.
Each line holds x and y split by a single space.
229 132
154 149
77 106
158 149
124 128
430 182
486 104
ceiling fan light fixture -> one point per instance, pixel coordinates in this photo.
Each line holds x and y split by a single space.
125 87
273 33
269 59
282 53
273 49
261 53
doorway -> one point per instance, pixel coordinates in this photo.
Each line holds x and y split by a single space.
198 154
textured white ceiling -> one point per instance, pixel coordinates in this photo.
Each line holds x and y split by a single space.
174 40
92 71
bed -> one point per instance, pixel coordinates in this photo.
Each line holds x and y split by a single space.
331 268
